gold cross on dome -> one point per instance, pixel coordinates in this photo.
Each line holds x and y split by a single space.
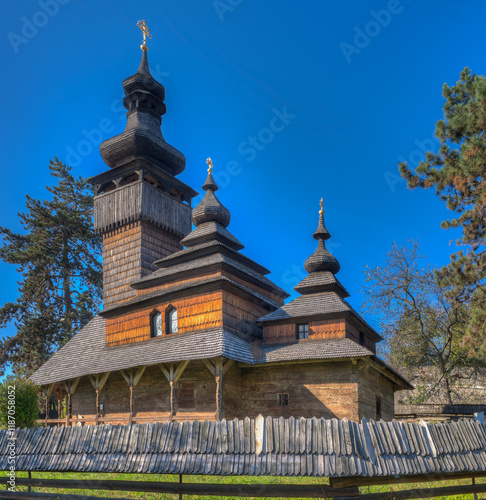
321 211
146 32
210 165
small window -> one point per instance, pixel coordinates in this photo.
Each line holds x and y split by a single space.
283 399
378 408
361 338
156 324
172 323
303 331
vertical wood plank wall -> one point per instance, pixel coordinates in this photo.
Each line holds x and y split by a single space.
199 312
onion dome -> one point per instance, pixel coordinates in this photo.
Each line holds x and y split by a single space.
321 259
142 137
210 209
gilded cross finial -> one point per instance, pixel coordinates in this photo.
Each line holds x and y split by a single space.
321 211
210 165
146 33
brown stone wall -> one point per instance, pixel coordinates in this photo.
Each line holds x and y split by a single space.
199 312
128 254
373 384
327 390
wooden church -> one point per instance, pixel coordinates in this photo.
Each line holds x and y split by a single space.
191 327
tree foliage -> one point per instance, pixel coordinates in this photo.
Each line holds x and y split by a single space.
422 323
458 174
19 403
58 256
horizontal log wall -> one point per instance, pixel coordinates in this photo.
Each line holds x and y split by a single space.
151 396
199 312
372 384
315 390
332 390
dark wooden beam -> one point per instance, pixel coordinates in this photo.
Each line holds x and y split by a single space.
209 489
344 482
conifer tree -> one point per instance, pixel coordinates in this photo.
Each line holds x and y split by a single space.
58 256
458 175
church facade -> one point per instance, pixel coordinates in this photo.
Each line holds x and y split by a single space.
191 327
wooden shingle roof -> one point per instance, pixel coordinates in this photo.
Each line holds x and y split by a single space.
262 446
87 354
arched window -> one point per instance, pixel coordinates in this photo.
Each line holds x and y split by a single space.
172 324
156 324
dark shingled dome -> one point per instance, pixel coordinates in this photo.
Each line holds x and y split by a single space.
321 259
210 209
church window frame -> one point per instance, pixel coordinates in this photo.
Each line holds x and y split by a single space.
302 331
156 326
171 320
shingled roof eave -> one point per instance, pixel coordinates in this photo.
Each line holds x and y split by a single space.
170 293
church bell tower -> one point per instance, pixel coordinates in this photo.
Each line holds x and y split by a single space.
141 209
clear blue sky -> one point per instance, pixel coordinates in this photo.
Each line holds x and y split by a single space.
358 82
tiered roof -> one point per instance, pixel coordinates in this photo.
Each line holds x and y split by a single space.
210 247
322 295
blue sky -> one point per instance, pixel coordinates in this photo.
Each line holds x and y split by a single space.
331 94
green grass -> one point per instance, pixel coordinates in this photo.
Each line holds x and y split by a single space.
216 479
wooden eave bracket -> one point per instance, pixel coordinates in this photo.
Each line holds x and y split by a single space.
132 377
71 385
99 380
174 370
218 366
47 389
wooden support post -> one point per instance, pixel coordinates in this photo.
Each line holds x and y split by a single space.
171 414
70 386
98 381
173 373
132 378
130 417
218 367
29 488
180 482
47 390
